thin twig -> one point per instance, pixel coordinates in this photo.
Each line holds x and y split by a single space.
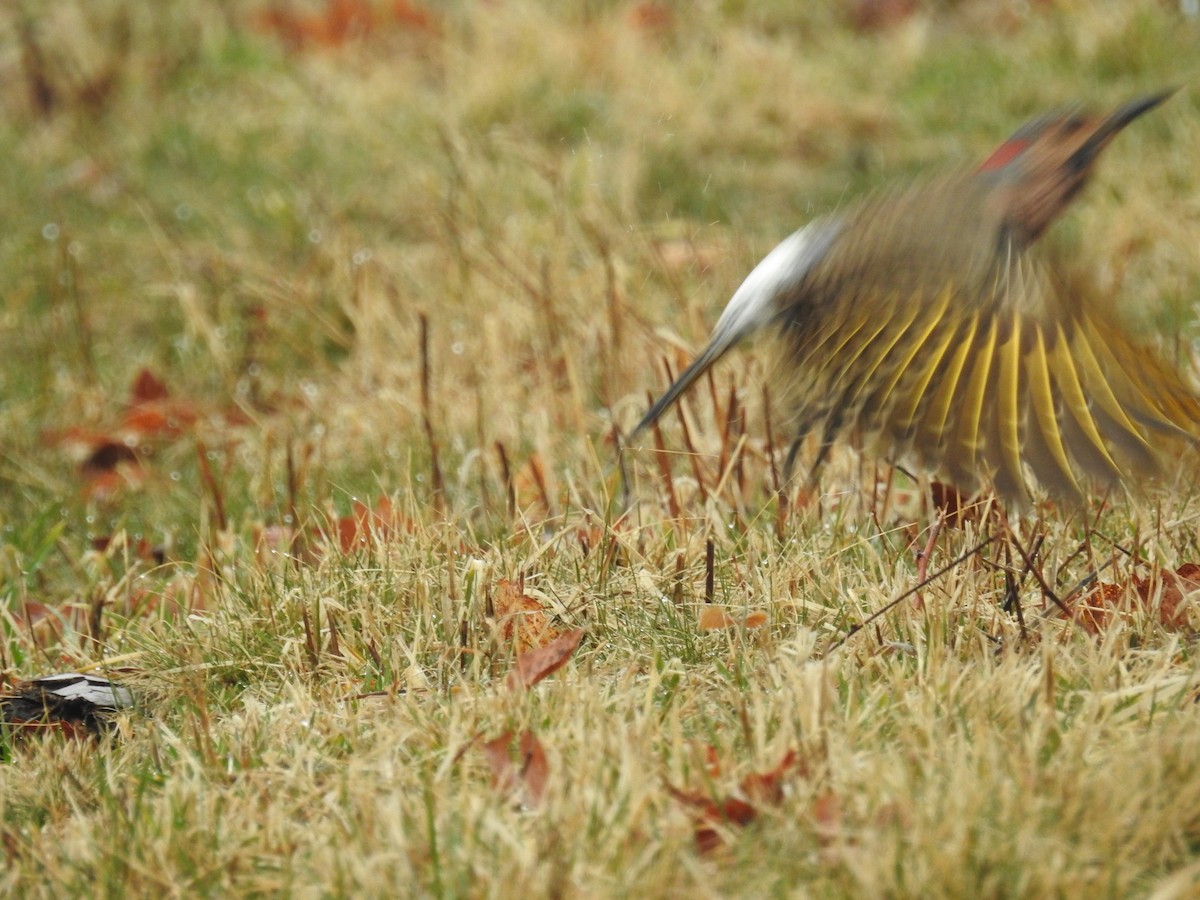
924 553
427 419
906 594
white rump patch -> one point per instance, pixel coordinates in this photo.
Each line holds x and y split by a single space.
752 305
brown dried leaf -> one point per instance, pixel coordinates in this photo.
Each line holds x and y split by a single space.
1177 588
535 769
756 619
368 527
504 774
522 619
715 618
527 776
535 665
767 787
760 788
1094 611
827 815
1106 602
147 387
880 15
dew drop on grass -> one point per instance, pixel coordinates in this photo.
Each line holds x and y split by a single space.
183 212
457 348
50 231
176 476
314 236
361 256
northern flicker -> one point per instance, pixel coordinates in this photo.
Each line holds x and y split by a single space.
922 320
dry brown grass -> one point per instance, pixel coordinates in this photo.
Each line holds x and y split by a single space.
567 196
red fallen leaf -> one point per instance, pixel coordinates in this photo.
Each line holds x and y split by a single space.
529 777
158 420
366 526
763 788
707 840
714 618
1094 611
730 810
342 21
767 787
1097 609
1177 588
147 387
153 412
535 665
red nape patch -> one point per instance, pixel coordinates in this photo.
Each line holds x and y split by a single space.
1005 153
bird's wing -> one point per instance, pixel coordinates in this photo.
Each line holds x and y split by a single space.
1003 376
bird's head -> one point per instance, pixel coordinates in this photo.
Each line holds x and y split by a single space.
1044 165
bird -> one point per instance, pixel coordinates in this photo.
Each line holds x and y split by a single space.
925 320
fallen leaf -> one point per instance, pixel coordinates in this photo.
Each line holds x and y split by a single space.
652 16
147 387
879 15
370 526
767 787
1106 602
715 618
535 665
755 619
1178 587
342 21
827 816
522 620
757 789
527 776
1094 611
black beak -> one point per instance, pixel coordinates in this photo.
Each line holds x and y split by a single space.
1108 129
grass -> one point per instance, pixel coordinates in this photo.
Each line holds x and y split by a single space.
565 195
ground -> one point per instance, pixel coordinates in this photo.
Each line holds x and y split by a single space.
317 319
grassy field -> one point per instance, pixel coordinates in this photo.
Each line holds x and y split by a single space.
315 328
